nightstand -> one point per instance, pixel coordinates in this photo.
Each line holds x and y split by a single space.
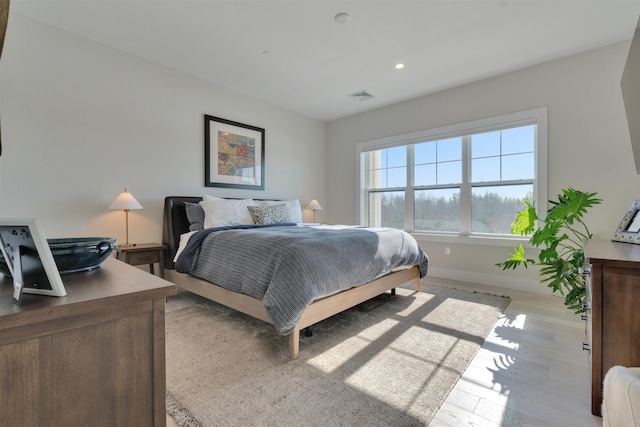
143 253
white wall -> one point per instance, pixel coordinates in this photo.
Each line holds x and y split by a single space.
588 143
81 121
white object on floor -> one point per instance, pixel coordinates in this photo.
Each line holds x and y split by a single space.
621 397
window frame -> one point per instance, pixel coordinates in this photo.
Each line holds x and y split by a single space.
537 116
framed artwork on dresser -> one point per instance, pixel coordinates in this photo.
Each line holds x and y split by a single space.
234 154
629 229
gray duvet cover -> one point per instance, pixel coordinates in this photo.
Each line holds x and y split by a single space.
287 267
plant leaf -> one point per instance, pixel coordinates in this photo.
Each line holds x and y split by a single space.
571 205
548 234
549 253
525 221
560 274
575 298
515 259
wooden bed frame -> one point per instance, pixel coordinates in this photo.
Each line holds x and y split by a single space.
176 223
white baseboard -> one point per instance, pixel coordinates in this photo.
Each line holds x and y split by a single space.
500 280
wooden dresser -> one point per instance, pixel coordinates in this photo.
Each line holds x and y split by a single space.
613 322
95 357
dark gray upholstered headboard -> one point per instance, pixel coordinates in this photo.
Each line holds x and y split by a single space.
174 224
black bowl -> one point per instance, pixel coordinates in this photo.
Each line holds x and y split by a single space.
76 254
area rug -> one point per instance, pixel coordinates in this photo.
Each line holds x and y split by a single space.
390 361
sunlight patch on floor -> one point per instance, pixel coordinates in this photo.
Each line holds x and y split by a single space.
402 385
332 359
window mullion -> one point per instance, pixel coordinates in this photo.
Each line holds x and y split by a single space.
408 195
465 187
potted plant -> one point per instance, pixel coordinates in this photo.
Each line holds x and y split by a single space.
560 237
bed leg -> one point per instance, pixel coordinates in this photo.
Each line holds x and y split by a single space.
308 331
393 291
294 344
417 281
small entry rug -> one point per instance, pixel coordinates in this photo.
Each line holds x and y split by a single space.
390 361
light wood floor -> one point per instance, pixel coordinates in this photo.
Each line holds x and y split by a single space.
531 370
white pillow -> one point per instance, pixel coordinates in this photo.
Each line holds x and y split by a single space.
223 212
208 197
295 211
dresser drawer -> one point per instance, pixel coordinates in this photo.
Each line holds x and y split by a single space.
143 257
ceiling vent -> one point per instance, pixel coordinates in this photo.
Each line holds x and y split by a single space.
360 96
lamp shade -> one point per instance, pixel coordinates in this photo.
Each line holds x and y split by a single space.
125 201
314 205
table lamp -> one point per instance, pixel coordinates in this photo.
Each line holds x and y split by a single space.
314 206
125 201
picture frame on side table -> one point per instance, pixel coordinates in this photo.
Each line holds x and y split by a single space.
234 154
629 229
25 239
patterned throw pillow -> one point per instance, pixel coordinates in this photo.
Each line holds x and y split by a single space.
275 214
295 212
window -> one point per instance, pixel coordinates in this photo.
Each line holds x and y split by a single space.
468 179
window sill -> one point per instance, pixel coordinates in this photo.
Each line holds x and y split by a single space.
506 241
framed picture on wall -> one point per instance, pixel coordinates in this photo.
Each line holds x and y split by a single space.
24 247
234 154
629 229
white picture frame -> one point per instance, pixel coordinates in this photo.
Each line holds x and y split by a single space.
40 274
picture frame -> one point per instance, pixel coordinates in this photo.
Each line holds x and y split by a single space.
234 154
25 239
629 229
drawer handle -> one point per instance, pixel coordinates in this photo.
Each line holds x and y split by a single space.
145 258
586 307
583 317
586 347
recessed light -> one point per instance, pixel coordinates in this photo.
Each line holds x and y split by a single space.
342 18
399 66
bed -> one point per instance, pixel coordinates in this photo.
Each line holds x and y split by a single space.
176 224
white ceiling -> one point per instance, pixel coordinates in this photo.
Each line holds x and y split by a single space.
312 63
